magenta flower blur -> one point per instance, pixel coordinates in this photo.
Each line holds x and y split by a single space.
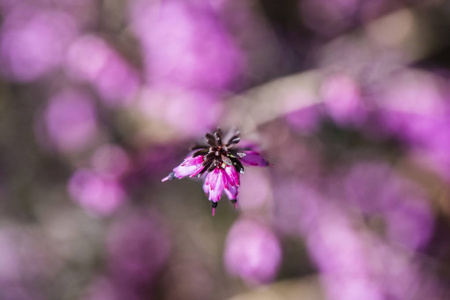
220 164
252 252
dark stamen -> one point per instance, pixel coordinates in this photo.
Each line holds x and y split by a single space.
212 167
210 155
208 163
232 153
218 138
237 165
226 160
233 140
210 140
196 147
200 152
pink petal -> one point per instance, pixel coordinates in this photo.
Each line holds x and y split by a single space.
233 175
217 181
192 161
168 177
232 182
206 185
191 166
231 191
253 158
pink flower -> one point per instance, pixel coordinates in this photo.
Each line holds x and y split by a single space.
95 192
33 42
71 121
190 167
198 50
252 252
231 187
222 163
216 183
253 158
90 58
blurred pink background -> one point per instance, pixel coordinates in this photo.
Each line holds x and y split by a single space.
349 100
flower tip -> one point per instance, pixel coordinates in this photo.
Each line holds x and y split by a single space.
168 177
214 205
234 203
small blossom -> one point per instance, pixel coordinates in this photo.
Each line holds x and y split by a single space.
190 167
220 164
216 184
253 158
252 252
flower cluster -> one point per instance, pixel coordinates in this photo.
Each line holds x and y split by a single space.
220 164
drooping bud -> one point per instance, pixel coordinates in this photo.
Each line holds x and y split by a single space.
222 162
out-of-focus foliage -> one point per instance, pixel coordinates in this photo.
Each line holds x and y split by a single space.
348 99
